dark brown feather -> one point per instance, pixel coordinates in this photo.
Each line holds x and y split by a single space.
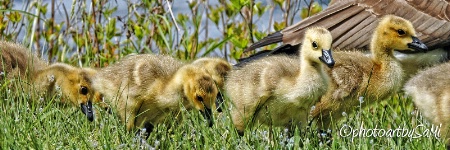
283 49
270 39
351 22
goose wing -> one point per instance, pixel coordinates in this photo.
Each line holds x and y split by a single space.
352 21
284 49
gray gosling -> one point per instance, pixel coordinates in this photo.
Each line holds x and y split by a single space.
371 78
280 90
145 89
430 92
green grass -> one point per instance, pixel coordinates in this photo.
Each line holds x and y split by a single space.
27 123
101 39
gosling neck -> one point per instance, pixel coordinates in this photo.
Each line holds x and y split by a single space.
380 50
309 67
176 88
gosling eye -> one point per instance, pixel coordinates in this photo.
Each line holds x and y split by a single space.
401 32
314 44
199 98
83 90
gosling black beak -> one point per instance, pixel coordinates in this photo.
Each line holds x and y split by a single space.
417 45
87 110
219 102
327 58
207 114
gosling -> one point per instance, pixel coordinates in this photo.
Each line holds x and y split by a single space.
147 88
374 77
430 92
73 83
280 90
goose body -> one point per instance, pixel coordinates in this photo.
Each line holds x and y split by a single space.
146 88
430 92
374 77
18 61
280 90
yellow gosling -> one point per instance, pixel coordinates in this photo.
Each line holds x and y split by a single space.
74 84
371 78
146 88
280 90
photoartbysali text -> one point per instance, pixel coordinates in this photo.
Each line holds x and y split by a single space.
419 131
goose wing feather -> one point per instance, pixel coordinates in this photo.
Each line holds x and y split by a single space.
352 21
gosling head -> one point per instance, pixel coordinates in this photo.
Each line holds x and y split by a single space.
201 91
317 44
85 99
218 69
77 87
398 34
